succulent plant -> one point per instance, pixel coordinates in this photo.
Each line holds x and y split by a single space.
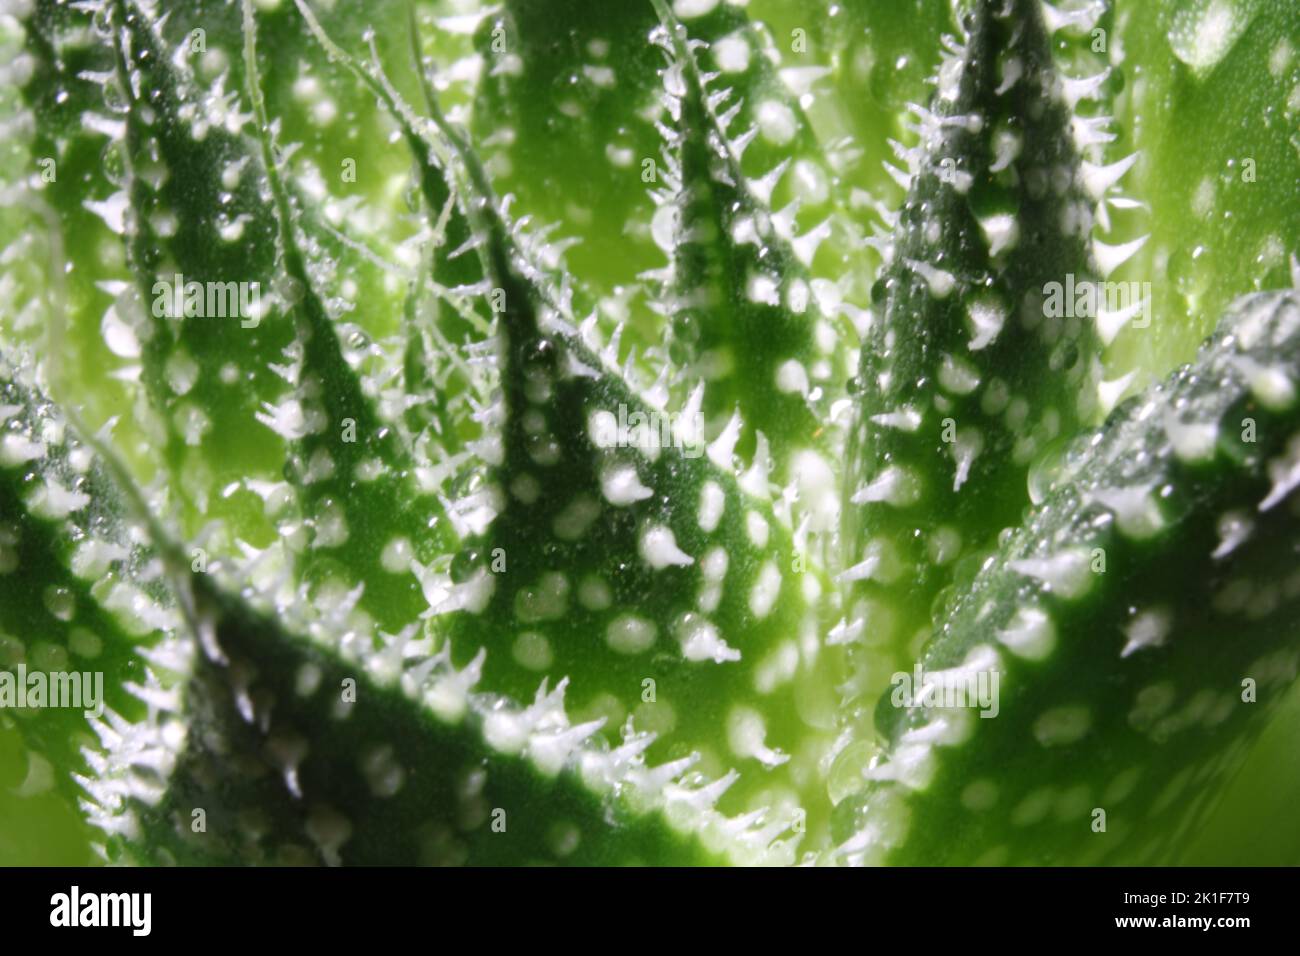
667 433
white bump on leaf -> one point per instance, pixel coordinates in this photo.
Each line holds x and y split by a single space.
659 549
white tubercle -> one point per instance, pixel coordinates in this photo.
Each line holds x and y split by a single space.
621 485
659 549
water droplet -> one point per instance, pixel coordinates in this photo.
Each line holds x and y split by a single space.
1188 271
115 97
60 603
1044 472
464 564
845 777
113 164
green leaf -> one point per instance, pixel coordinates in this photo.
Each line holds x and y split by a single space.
297 745
1140 625
629 560
1209 101
203 247
83 606
307 748
745 313
361 517
66 209
560 121
970 379
442 330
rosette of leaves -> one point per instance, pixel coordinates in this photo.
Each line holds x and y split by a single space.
604 434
